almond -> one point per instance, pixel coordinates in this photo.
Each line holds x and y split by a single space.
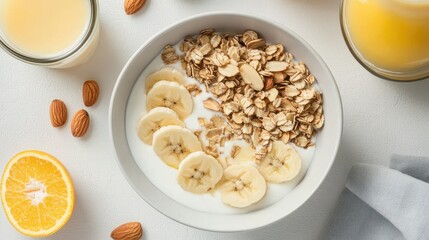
128 231
269 83
255 44
80 123
58 113
90 92
278 77
251 77
276 66
132 6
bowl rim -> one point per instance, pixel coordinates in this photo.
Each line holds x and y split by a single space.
339 127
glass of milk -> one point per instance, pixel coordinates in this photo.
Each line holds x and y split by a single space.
50 33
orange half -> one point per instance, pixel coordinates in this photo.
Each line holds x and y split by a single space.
37 193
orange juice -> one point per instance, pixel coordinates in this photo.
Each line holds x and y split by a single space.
44 28
393 35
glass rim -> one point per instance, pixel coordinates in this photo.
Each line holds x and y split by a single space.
56 59
354 53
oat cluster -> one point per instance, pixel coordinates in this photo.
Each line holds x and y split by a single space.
261 92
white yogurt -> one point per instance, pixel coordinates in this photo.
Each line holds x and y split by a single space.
164 177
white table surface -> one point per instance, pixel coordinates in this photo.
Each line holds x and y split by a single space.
380 118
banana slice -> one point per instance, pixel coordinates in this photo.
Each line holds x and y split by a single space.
168 74
154 120
199 173
243 186
281 164
171 95
174 143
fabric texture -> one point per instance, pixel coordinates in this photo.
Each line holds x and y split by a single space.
384 203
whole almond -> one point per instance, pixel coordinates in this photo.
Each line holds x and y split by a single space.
278 77
132 6
128 231
90 92
80 123
58 113
269 83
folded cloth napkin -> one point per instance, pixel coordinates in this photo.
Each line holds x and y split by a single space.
381 203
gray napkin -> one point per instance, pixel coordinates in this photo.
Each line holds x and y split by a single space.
381 203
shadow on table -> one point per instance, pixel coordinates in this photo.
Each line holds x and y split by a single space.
79 224
414 92
104 66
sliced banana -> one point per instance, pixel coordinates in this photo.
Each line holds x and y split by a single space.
243 186
172 144
281 164
154 120
199 173
168 74
171 95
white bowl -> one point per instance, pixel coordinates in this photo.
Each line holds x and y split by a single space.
328 138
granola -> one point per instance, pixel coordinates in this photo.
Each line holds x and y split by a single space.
262 93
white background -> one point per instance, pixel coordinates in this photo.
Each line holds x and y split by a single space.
380 118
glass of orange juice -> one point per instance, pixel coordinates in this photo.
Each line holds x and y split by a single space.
51 33
390 38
